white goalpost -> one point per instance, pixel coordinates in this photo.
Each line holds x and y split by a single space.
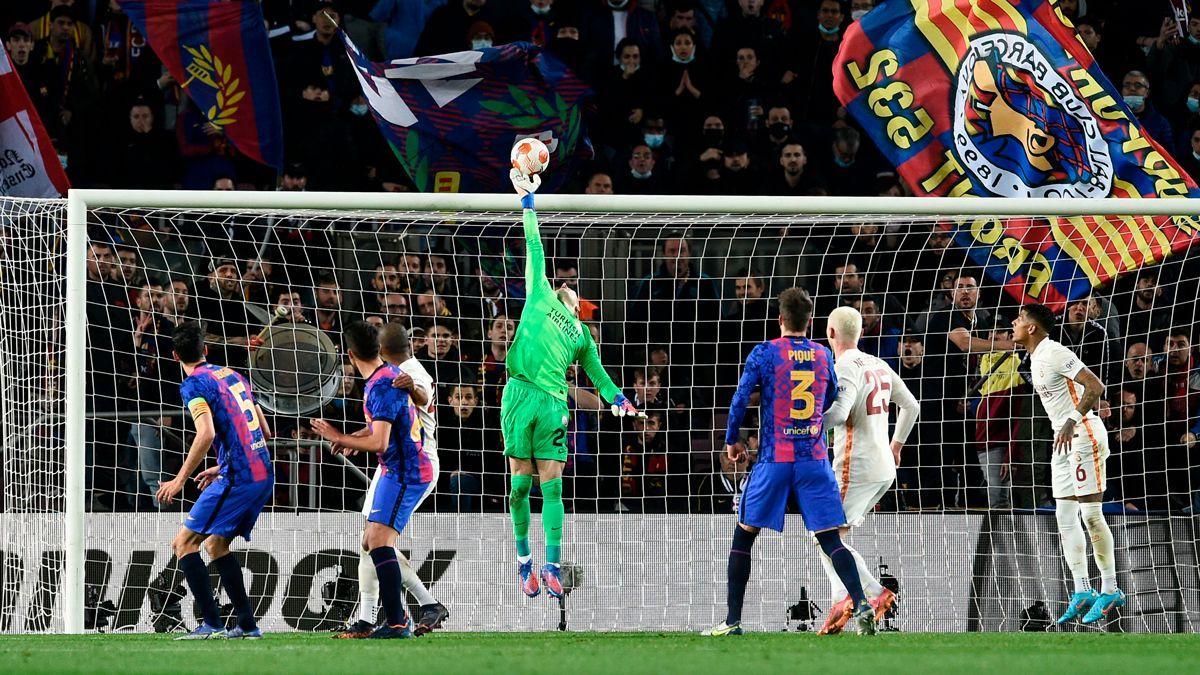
680 289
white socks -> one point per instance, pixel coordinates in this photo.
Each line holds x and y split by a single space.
368 588
839 591
413 583
1074 543
871 585
1102 544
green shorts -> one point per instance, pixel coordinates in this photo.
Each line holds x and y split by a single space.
534 423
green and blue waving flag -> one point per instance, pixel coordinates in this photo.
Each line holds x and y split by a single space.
1000 98
452 119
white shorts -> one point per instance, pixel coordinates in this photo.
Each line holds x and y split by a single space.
1081 471
858 499
369 499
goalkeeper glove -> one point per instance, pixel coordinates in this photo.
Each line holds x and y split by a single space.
621 407
525 186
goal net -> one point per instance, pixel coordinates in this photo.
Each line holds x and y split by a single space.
676 301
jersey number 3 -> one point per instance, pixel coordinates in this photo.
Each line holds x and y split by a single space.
802 381
881 392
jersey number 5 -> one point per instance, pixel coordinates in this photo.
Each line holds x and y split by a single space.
802 381
239 392
881 392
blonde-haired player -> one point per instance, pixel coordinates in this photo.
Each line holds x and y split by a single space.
1069 392
864 461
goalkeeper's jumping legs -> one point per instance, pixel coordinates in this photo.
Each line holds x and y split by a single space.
550 472
518 510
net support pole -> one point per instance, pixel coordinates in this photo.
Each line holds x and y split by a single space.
71 583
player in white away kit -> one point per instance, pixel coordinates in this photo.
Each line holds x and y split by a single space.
864 461
395 348
1069 393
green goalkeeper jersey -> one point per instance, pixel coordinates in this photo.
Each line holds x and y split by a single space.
549 337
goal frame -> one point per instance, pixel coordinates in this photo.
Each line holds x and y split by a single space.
79 201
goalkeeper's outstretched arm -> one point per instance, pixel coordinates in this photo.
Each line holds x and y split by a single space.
589 359
535 253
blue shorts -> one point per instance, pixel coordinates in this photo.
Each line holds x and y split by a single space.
394 502
229 510
810 481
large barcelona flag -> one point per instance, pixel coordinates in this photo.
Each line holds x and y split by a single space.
999 98
219 52
452 119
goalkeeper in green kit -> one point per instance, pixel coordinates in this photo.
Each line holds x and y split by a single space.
533 409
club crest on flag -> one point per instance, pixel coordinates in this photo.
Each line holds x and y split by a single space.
206 68
220 54
1021 129
1002 99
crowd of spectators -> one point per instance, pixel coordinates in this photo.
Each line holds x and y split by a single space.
694 96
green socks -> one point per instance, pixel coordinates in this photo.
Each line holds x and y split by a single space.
518 508
552 519
552 516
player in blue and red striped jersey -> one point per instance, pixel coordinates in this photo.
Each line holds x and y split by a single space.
235 490
796 384
394 432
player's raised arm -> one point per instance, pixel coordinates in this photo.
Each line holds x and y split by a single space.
751 379
535 253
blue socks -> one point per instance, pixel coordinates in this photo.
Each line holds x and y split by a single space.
197 580
235 588
387 568
843 564
738 573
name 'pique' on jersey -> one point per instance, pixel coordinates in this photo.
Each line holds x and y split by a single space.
241 447
404 459
797 385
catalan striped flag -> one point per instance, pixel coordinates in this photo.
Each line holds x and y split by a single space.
1000 98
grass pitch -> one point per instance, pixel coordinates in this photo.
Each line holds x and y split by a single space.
621 653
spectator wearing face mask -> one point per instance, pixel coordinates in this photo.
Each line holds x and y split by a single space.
1136 92
1174 64
564 43
625 94
607 23
656 136
376 159
859 9
537 22
451 24
700 159
808 77
773 135
643 176
683 80
481 35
